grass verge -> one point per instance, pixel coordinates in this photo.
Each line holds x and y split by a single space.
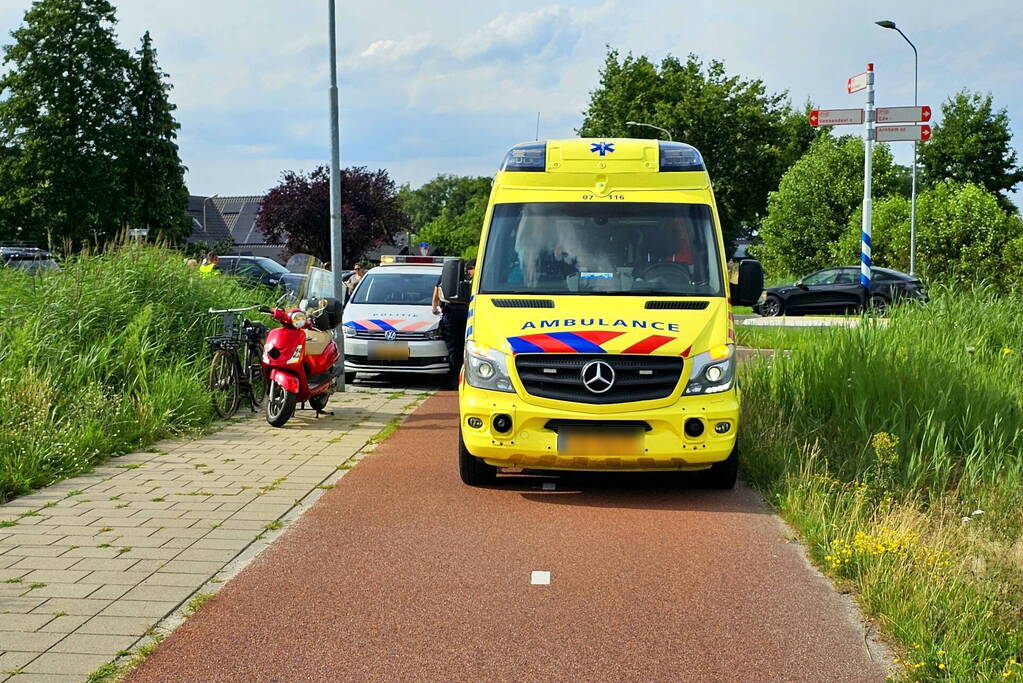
897 453
107 356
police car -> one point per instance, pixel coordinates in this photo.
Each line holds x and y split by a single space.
388 323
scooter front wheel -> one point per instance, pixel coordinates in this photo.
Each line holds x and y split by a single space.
280 405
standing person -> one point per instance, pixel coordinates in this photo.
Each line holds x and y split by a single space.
453 320
355 278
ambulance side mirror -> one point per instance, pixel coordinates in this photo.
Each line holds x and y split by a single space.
751 283
451 281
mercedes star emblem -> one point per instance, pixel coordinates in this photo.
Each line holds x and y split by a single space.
390 335
598 376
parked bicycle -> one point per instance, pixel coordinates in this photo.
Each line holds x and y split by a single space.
236 369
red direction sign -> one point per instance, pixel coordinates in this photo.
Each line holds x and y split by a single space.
902 133
903 114
856 83
835 117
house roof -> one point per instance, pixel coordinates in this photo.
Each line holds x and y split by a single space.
226 217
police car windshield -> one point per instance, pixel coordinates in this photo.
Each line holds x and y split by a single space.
400 289
602 249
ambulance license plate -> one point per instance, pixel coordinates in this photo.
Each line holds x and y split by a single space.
388 350
606 442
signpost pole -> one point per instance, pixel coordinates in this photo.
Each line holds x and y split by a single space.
868 140
912 205
336 253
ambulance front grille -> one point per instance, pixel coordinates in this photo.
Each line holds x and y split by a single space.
558 376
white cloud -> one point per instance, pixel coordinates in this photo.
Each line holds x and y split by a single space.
389 51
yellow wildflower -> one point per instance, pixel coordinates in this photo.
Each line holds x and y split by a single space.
1006 351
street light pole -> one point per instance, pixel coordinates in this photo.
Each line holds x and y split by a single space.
912 207
650 125
204 210
336 253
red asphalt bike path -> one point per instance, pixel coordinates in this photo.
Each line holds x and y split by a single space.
401 572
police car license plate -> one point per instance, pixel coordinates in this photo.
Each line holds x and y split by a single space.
617 442
388 350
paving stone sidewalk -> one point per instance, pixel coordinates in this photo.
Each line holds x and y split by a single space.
93 564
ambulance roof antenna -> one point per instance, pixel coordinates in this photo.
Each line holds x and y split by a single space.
537 125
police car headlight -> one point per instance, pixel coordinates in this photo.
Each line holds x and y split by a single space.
712 371
434 333
348 330
486 368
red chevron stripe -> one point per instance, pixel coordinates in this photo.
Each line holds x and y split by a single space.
650 345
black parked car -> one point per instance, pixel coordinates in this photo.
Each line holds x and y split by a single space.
32 259
259 270
837 290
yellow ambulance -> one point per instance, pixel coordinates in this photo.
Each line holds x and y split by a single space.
600 332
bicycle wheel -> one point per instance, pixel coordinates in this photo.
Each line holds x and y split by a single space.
254 375
224 384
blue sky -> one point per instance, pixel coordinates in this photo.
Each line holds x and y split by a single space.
446 87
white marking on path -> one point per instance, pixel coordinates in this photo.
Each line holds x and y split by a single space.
540 578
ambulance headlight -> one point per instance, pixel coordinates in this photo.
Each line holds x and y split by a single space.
713 371
486 368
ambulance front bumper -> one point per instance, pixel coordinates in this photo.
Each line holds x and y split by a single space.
532 441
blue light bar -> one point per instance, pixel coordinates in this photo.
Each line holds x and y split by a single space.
678 156
528 157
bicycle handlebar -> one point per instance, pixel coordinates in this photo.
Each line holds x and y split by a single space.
232 310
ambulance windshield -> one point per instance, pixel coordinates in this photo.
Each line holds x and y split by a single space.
602 249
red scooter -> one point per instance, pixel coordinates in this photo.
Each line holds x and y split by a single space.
299 359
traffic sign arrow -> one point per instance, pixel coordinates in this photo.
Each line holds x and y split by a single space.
856 83
903 114
902 133
835 117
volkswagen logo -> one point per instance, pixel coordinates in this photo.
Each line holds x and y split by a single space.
390 335
598 376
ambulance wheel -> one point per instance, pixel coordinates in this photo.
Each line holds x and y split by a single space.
722 475
473 471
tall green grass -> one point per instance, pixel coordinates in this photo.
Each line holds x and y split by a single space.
101 358
898 453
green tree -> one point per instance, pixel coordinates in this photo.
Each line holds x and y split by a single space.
807 216
297 212
962 233
972 145
747 135
62 108
154 178
448 212
889 234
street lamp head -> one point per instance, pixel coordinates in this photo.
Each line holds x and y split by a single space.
885 23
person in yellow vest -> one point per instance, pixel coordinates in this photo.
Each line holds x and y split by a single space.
208 268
